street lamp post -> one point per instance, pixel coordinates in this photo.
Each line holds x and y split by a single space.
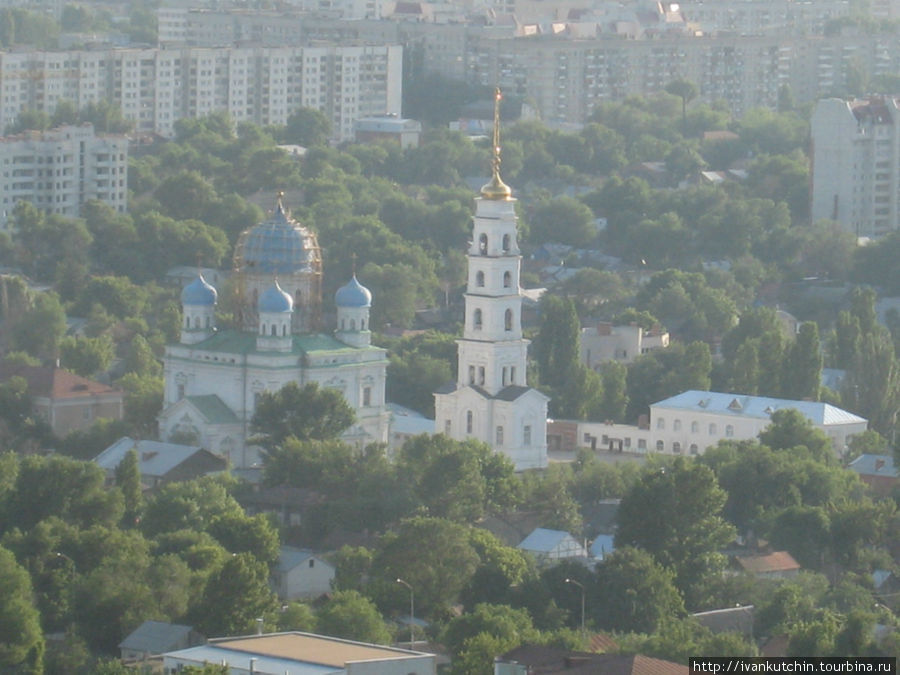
412 610
581 586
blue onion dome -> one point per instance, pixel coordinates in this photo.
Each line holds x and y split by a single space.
199 292
275 300
353 294
279 245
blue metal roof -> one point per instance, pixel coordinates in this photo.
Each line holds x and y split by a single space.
543 540
199 292
758 407
353 294
275 300
279 245
874 465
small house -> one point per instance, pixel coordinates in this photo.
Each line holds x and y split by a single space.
552 545
301 574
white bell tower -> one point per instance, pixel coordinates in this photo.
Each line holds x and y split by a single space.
490 399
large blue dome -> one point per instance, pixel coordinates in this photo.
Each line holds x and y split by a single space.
274 300
353 294
279 245
198 292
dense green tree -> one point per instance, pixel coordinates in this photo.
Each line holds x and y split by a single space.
40 329
500 621
687 92
128 479
143 401
790 429
86 356
352 616
614 400
675 514
307 413
500 568
564 220
62 487
802 374
433 555
557 343
235 596
307 127
633 592
21 640
666 372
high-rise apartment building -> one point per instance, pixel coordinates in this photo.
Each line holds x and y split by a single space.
856 164
156 87
61 169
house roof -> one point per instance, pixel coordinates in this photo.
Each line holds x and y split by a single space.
55 383
213 409
155 637
874 465
309 648
758 407
543 540
777 561
155 458
239 342
602 545
728 620
408 421
289 558
540 660
601 643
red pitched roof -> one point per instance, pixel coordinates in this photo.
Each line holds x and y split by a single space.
603 643
54 383
778 561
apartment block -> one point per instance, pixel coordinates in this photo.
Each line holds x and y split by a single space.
156 86
61 169
856 164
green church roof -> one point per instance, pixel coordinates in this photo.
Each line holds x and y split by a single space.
213 409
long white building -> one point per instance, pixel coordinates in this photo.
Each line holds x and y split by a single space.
692 421
156 87
61 169
856 164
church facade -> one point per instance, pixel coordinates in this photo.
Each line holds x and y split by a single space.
214 378
490 399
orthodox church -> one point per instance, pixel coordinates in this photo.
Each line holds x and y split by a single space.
214 378
490 400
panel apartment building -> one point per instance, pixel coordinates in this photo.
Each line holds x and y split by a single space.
155 87
61 169
856 164
736 51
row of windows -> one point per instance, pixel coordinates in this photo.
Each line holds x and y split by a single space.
483 244
477 320
479 279
713 428
498 434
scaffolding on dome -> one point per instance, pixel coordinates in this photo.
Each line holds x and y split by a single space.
281 249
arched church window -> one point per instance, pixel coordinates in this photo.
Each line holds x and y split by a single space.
508 320
483 244
479 279
352 324
274 330
362 324
499 435
481 375
207 322
298 295
284 330
196 322
505 243
469 422
477 319
507 280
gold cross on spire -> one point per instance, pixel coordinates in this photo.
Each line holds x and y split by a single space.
496 189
